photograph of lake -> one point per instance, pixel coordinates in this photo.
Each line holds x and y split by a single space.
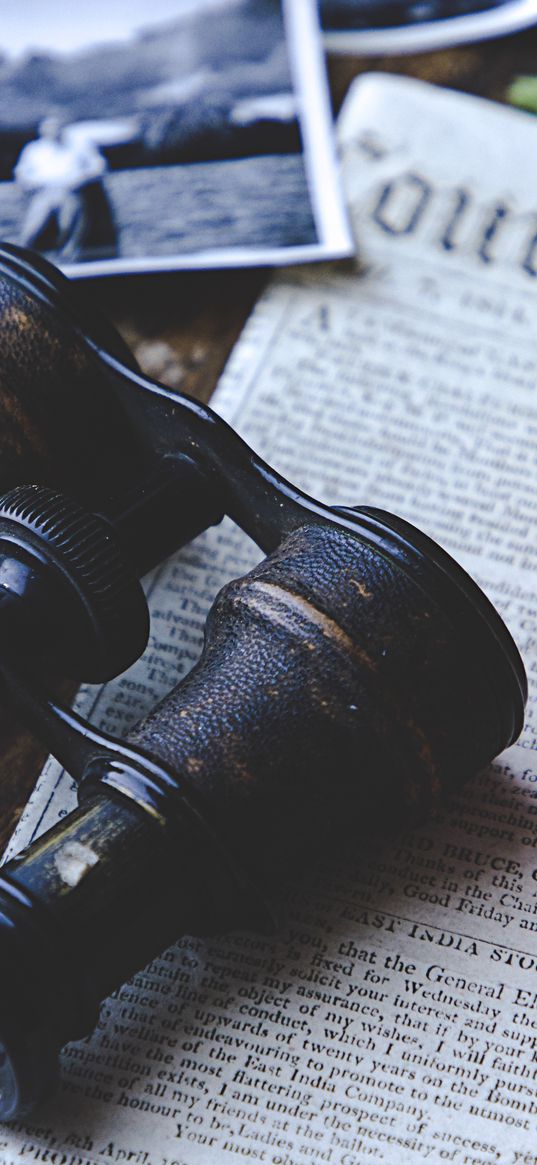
187 133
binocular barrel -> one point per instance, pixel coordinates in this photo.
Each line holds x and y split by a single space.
337 679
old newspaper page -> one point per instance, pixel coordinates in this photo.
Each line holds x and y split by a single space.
393 1016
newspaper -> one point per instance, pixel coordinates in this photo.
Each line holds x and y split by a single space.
392 1018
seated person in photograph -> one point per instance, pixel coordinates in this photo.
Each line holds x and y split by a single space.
69 211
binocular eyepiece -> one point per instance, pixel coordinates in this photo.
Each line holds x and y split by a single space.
356 667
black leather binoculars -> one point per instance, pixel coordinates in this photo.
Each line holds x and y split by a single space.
357 666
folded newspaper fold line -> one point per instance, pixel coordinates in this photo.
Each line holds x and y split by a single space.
393 1018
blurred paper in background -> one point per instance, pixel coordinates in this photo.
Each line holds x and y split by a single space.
408 26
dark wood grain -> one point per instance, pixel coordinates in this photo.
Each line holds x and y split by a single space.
182 327
485 69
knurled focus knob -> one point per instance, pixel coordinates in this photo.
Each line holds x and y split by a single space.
84 603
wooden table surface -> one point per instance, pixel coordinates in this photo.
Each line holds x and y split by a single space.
182 327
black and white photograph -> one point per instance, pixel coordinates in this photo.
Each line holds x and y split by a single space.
140 136
369 27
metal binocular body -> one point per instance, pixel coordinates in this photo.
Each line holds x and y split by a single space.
356 666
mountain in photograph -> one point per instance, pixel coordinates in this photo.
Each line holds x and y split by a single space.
199 86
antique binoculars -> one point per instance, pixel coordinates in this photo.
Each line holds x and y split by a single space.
356 667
